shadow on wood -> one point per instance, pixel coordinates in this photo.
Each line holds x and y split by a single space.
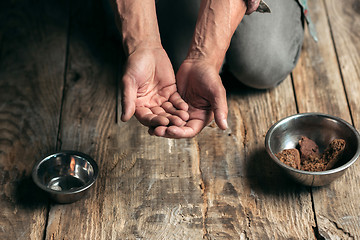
28 195
267 177
234 87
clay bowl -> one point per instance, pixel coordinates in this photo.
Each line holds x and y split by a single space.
65 175
321 128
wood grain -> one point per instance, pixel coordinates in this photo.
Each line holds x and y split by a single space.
87 114
218 185
344 20
32 53
148 187
317 72
155 192
318 86
154 188
246 195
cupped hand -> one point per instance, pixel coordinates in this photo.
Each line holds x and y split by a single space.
199 84
149 90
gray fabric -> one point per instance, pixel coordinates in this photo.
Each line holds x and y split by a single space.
263 50
266 47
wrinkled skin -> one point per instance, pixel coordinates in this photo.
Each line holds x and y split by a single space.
199 84
149 90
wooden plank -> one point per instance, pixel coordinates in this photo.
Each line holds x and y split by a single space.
154 188
319 87
148 187
32 57
317 72
155 191
246 196
344 21
88 111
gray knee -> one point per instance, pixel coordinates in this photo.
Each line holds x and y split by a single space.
264 68
266 47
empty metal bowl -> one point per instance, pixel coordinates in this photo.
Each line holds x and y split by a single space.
66 175
322 129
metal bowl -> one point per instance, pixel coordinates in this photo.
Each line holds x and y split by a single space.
321 128
66 175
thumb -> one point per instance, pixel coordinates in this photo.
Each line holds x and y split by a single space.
128 97
220 109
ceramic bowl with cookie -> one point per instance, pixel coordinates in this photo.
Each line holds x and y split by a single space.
314 149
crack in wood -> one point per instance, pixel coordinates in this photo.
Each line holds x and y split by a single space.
246 236
243 131
317 234
341 229
248 220
202 186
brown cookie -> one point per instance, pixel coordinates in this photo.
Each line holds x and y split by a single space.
308 148
290 157
333 153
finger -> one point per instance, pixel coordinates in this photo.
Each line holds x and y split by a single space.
151 131
173 120
160 131
169 108
192 128
221 117
178 102
128 97
157 110
148 118
220 108
252 5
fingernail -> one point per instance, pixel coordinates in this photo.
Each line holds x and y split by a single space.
225 123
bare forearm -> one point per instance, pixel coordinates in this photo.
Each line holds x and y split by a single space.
217 22
137 22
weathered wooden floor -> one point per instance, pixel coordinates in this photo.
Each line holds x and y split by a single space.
59 90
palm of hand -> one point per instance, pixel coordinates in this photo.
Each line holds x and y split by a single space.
195 86
200 86
150 90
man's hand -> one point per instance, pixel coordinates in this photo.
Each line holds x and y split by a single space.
148 83
149 90
198 79
199 84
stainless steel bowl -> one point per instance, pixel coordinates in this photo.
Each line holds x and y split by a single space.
321 128
66 175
